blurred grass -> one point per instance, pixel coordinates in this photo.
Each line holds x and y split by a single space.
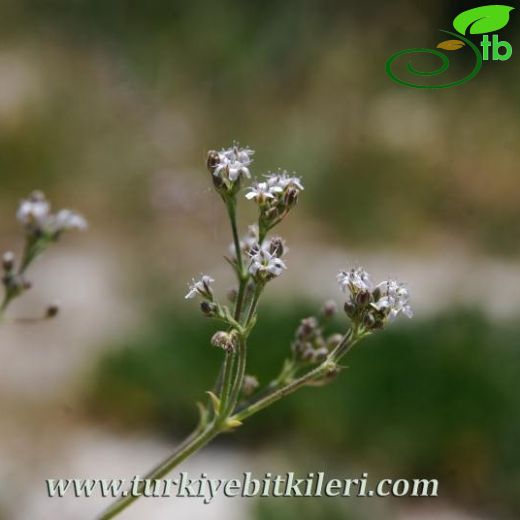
106 94
437 398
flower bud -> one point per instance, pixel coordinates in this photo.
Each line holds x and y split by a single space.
223 340
350 309
363 298
209 309
321 354
308 354
52 310
37 196
276 246
250 385
8 259
329 309
291 197
213 160
333 341
307 327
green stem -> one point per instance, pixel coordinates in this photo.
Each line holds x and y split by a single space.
240 297
278 393
194 443
239 379
231 207
254 304
199 439
349 339
226 378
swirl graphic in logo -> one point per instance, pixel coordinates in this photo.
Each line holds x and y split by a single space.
444 66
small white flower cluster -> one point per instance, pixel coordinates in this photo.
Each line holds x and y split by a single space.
355 280
266 262
35 214
201 287
274 188
232 163
389 298
394 299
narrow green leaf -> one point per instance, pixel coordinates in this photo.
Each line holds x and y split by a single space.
215 401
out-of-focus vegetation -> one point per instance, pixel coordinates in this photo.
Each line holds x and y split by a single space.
439 398
99 97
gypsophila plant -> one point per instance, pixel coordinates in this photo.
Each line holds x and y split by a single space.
41 228
314 357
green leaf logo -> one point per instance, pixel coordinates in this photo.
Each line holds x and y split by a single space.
482 20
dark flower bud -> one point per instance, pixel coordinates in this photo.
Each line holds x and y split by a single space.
363 298
350 309
307 327
276 247
52 310
208 309
333 341
291 197
321 354
329 308
308 354
8 261
217 182
213 160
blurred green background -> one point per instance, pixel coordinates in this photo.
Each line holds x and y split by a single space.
110 108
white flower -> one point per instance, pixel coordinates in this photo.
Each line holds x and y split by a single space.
394 299
34 211
234 162
283 180
65 220
264 263
35 214
200 287
261 191
356 280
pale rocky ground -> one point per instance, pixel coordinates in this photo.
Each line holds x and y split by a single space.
40 366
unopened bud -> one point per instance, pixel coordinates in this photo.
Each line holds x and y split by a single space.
350 309
52 310
213 160
308 354
8 259
250 385
333 341
307 327
363 298
276 247
291 197
321 354
208 309
329 308
37 196
223 340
